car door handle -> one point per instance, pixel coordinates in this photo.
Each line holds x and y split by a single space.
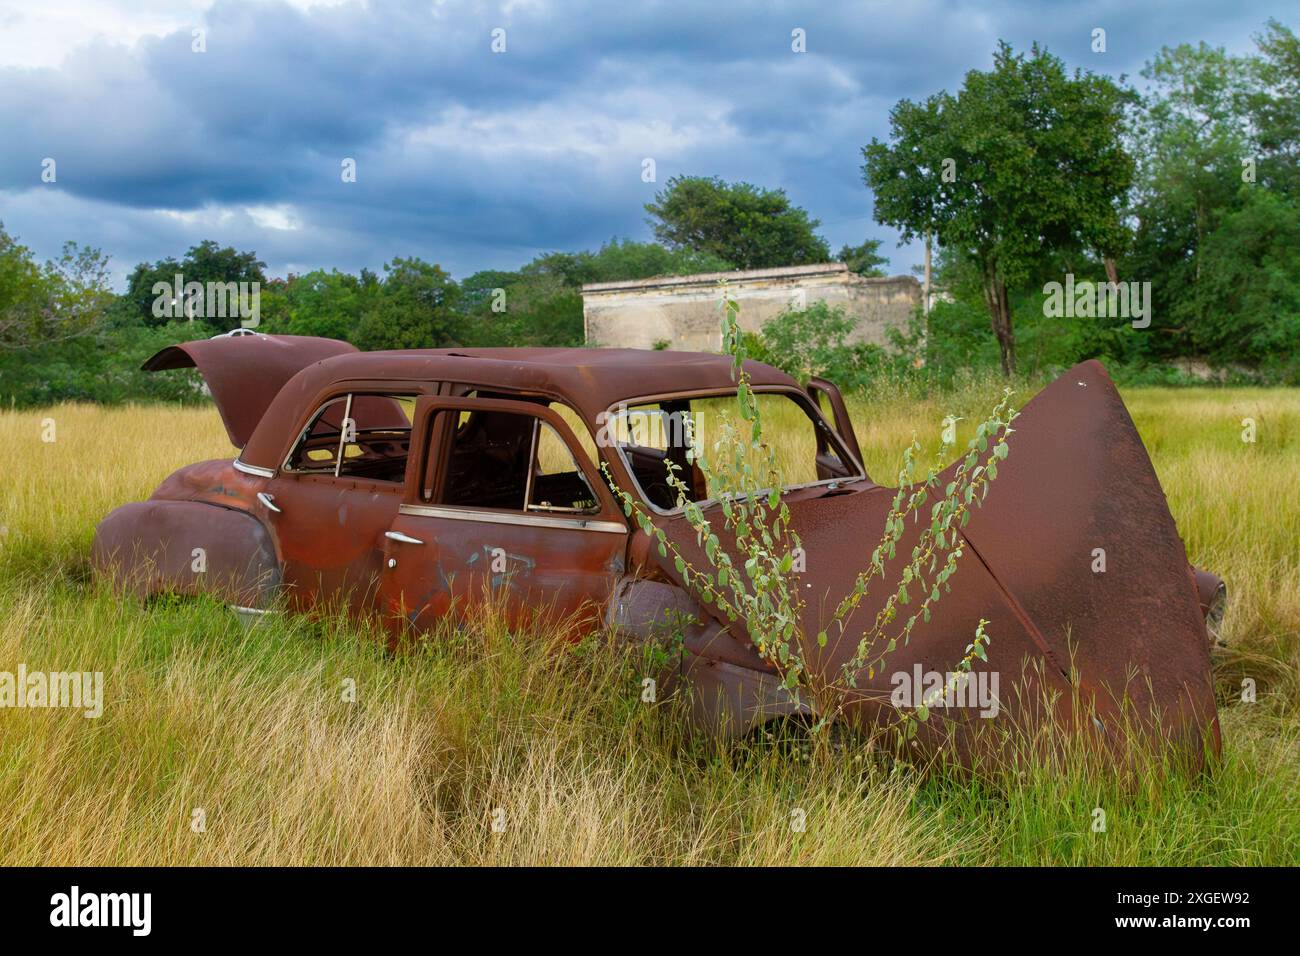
404 538
269 502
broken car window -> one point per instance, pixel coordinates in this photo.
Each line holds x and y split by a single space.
511 461
649 434
360 436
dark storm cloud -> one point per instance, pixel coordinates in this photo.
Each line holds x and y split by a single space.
475 159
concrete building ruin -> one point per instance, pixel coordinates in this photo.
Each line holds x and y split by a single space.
682 310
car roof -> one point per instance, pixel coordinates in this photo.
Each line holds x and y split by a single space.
589 379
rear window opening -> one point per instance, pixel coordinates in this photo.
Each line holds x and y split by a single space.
357 436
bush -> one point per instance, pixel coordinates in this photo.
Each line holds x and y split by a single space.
104 368
815 342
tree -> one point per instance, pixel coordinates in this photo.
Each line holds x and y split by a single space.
22 293
1214 130
626 260
203 263
749 227
1026 161
1275 108
815 341
865 259
329 304
1250 285
415 309
67 298
477 291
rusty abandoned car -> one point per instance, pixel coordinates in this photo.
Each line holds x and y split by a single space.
416 483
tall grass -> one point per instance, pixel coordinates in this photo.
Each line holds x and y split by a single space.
253 726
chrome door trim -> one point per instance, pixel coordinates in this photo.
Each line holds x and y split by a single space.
501 517
256 470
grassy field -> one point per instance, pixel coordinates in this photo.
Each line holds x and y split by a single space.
246 730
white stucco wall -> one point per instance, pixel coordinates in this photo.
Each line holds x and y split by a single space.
683 310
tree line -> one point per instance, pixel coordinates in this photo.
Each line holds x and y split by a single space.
64 334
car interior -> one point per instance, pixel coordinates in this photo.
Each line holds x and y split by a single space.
510 460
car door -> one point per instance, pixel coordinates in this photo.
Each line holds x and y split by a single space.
502 506
335 495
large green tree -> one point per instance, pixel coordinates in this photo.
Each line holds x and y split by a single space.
1216 205
1025 161
203 263
326 303
1249 288
750 227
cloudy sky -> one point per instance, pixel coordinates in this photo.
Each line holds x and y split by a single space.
479 159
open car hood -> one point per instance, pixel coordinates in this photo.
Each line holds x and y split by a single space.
245 372
1077 479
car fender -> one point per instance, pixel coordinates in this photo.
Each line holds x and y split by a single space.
187 547
730 689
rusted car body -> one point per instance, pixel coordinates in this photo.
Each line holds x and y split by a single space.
413 484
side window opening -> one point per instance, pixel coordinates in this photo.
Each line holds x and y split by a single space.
359 436
508 461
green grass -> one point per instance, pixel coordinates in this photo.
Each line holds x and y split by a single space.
251 725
